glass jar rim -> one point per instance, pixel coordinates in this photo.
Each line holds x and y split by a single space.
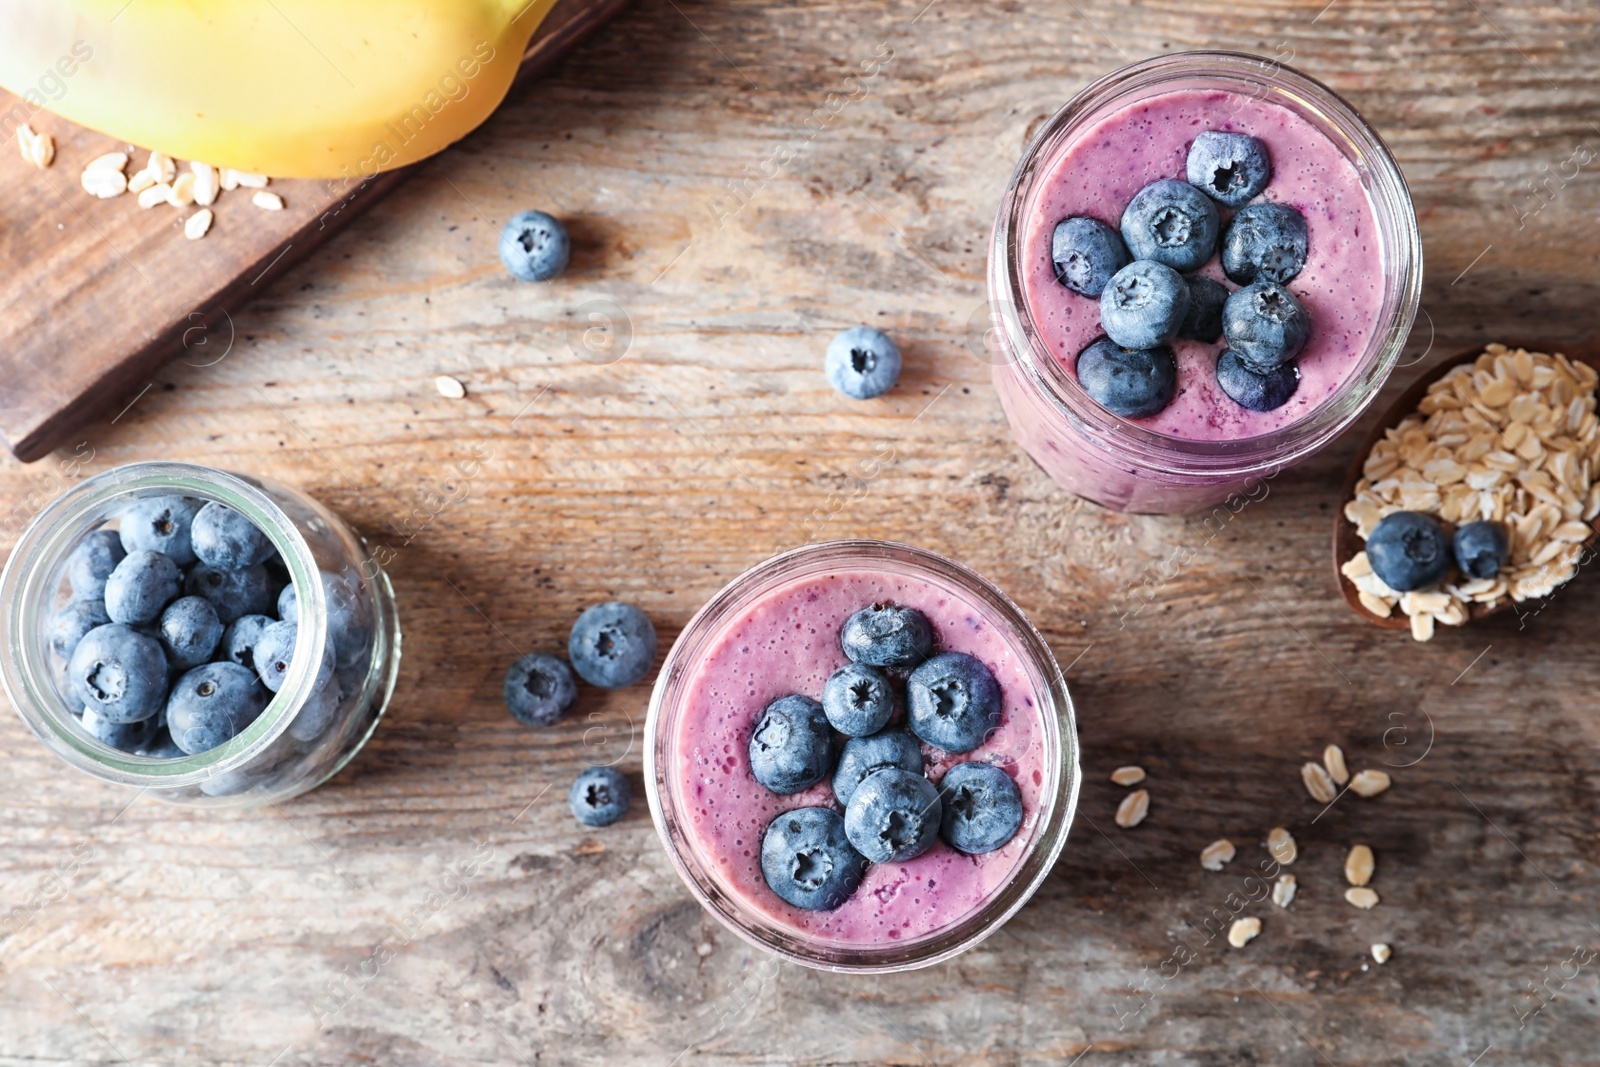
1054 705
26 592
1397 228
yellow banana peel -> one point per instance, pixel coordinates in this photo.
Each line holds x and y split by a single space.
288 88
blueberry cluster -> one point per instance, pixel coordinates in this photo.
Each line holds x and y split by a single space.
814 857
181 626
1410 550
1145 279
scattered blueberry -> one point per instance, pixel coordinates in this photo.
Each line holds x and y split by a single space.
126 736
140 586
953 702
886 635
233 593
1265 325
1480 548
612 645
864 755
1203 320
535 246
807 859
68 626
212 704
1409 550
792 747
190 631
539 688
315 714
1265 241
858 699
862 363
1253 390
1133 383
119 673
1232 168
160 524
1086 253
600 796
226 539
92 561
893 815
1173 223
239 640
1144 305
982 807
274 653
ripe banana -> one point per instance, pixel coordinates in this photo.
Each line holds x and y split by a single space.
290 88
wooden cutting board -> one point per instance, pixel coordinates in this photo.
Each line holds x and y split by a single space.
98 294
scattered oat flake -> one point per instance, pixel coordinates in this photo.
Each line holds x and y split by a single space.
1333 761
248 180
1283 890
1369 783
155 194
1381 952
104 182
109 161
1282 846
1359 865
182 194
1243 931
449 387
1361 897
267 201
1134 807
205 183
161 165
1318 783
1219 852
1129 775
38 149
196 225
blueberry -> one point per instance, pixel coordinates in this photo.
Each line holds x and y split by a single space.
126 736
1409 550
1480 548
226 539
67 626
1265 241
600 796
862 363
315 714
886 635
92 561
1173 223
239 640
248 591
982 807
1144 305
119 673
612 645
161 745
858 699
347 627
893 815
160 524
190 631
953 702
539 689
1086 253
1253 390
212 704
1232 168
1203 320
792 747
140 586
807 859
1265 325
1133 383
274 653
864 755
534 246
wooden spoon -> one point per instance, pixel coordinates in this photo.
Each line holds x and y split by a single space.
1347 542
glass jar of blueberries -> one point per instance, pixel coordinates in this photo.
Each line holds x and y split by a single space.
861 756
207 637
1204 268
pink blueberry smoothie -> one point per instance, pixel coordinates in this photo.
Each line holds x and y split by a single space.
1097 171
787 642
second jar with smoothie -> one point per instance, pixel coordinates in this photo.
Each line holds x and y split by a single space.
1320 184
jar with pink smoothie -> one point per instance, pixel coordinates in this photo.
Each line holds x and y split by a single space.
1358 286
774 634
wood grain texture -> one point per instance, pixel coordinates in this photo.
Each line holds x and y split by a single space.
166 297
1219 656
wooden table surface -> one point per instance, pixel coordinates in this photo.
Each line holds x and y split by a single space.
727 227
